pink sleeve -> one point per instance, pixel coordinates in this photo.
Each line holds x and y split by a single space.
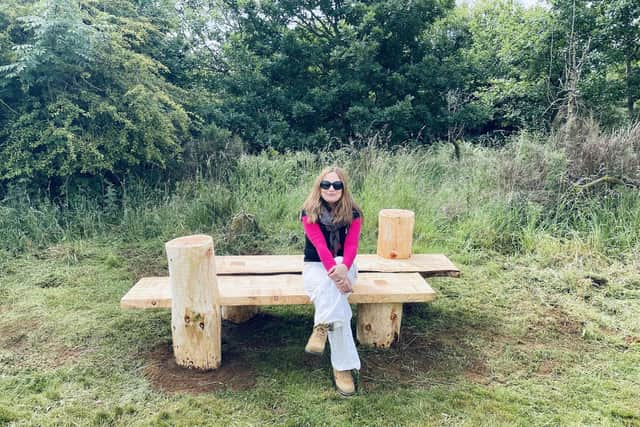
351 242
314 233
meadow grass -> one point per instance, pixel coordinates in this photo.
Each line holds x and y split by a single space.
540 329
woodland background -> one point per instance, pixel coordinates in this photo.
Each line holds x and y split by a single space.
94 92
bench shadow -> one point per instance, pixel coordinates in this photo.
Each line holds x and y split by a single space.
436 346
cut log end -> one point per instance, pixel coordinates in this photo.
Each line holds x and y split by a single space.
396 213
190 241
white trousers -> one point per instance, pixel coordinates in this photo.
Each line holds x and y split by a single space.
332 307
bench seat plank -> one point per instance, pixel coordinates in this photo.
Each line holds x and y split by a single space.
427 264
155 292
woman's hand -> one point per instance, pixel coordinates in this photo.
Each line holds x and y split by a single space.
338 274
344 285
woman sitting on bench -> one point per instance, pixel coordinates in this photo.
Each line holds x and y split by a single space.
332 222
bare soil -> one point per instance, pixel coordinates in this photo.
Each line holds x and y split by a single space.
164 374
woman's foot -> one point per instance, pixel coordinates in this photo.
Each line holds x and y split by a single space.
344 382
318 339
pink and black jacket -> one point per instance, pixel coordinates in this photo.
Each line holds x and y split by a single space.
316 248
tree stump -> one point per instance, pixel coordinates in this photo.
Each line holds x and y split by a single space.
239 313
195 309
379 324
395 233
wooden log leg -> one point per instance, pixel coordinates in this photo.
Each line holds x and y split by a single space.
195 310
379 324
239 313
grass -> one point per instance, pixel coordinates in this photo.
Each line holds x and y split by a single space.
515 341
541 329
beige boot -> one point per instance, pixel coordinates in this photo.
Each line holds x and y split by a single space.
317 340
344 382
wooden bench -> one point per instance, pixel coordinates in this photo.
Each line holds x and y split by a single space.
276 280
203 289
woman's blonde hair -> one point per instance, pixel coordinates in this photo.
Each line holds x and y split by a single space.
343 210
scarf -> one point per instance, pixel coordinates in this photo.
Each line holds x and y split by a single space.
326 218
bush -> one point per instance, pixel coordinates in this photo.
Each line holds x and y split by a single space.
592 154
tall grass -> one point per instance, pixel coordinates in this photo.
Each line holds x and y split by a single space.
496 200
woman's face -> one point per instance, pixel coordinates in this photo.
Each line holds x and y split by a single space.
331 195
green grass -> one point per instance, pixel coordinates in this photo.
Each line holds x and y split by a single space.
541 329
514 341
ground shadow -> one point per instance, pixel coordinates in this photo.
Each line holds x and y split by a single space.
439 352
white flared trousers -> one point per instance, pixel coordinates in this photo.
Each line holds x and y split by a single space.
332 307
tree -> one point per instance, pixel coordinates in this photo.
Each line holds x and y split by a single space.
298 74
88 93
618 26
609 82
509 52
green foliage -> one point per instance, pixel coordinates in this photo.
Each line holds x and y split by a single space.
605 38
510 66
303 74
98 90
618 32
93 99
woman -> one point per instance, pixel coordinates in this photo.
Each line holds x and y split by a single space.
332 222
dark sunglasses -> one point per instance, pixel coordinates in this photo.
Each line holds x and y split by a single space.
337 185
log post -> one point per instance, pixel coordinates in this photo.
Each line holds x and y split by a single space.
395 233
195 309
239 313
379 324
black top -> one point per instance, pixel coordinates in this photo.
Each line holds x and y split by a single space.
310 252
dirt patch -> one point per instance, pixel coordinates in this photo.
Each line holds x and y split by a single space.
64 355
630 340
547 368
557 322
562 323
478 373
161 370
418 359
14 335
410 356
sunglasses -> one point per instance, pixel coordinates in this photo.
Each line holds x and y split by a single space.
337 185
